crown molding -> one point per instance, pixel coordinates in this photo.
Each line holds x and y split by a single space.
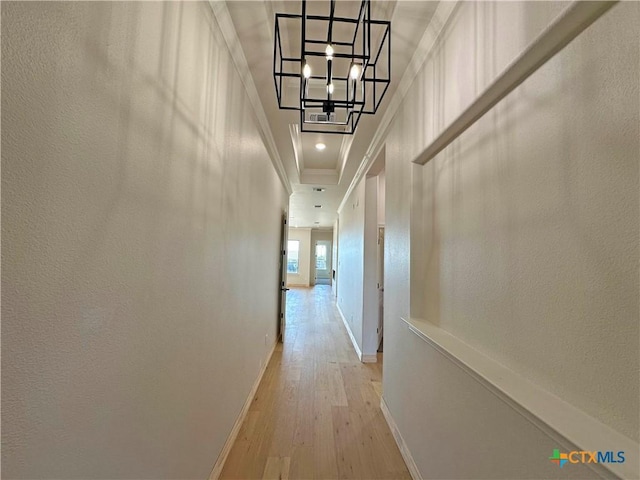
345 147
223 19
319 176
431 35
296 141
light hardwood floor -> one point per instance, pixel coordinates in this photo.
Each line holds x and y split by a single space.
316 414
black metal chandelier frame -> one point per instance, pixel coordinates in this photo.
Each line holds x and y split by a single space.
363 86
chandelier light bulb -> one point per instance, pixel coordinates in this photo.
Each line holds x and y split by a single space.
355 71
306 70
330 88
329 52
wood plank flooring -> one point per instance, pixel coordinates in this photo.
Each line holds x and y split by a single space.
316 414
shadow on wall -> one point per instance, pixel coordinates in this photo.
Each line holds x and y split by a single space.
132 169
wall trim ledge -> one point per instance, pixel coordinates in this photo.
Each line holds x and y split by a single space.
216 471
568 425
571 22
353 339
404 451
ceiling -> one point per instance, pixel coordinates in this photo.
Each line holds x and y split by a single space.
308 169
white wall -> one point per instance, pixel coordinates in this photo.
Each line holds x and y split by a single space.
358 297
137 198
334 259
351 261
371 308
381 198
303 277
315 236
526 247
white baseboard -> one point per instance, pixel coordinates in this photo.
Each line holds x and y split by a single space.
222 458
369 358
353 339
404 451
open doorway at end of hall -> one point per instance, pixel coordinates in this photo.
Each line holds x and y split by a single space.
321 261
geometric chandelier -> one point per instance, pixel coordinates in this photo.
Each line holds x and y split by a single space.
331 66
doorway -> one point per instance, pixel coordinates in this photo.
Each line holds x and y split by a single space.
282 279
323 262
380 286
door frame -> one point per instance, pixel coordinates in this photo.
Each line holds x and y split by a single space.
380 284
282 284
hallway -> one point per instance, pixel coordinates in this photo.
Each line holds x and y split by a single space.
317 411
147 175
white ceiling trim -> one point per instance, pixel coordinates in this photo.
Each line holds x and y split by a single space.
319 176
271 13
296 140
383 10
345 147
436 26
222 17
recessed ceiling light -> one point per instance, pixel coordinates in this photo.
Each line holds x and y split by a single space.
320 146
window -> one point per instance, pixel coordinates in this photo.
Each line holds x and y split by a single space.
293 251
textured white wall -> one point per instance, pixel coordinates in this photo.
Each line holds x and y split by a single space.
334 258
137 200
525 245
351 261
370 300
302 278
359 229
381 198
